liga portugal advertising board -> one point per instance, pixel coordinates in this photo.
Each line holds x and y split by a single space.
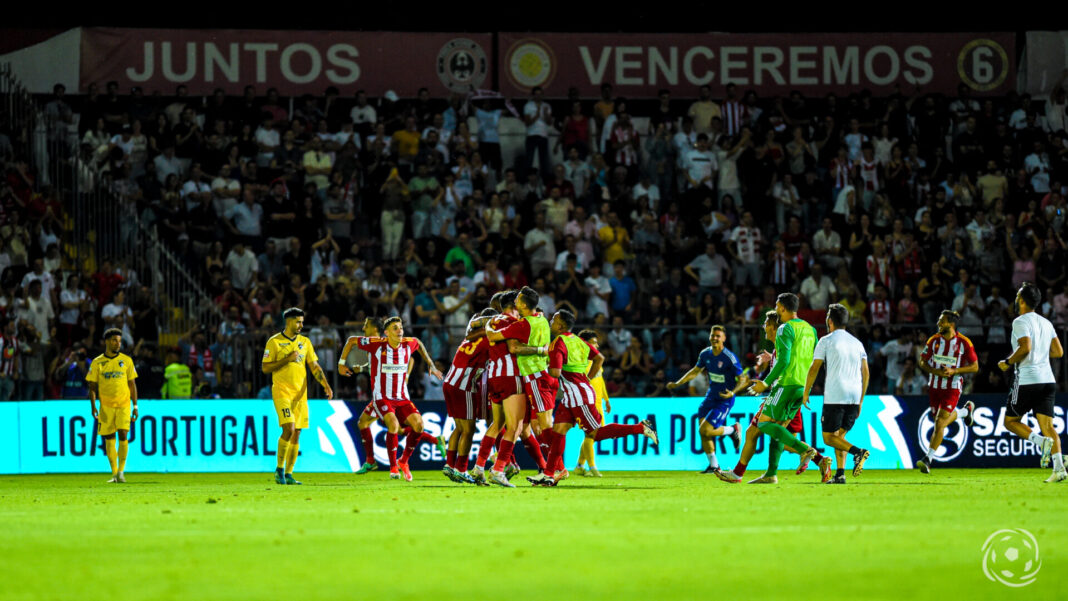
294 62
774 64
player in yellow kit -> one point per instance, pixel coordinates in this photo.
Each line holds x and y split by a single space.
586 452
285 357
111 379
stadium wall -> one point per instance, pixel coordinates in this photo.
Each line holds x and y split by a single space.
240 436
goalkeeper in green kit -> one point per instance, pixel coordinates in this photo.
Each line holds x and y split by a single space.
795 343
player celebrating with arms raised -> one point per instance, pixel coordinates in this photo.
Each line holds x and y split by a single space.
389 373
947 355
1034 341
285 357
725 379
111 379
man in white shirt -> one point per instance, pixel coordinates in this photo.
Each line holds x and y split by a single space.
911 381
37 309
539 246
195 189
745 249
538 115
242 264
844 390
710 270
1034 342
600 291
896 352
1037 166
817 289
225 191
827 245
363 114
701 165
267 140
246 218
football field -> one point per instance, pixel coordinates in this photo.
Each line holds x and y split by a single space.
628 535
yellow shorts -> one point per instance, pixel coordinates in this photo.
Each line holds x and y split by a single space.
110 419
292 412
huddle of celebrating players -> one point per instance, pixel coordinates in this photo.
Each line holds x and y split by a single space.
508 371
514 363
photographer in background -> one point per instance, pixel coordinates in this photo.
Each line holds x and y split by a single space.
70 372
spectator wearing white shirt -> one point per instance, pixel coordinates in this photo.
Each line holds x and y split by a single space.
727 160
363 114
195 189
710 270
817 289
167 164
649 190
827 244
539 246
897 352
243 266
225 191
246 218
538 116
267 140
701 166
911 382
600 291
37 309
1037 166
745 248
570 247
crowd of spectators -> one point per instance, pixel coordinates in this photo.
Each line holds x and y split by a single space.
651 219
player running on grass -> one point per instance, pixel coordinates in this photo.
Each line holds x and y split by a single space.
844 388
1034 388
571 360
111 379
372 328
947 355
389 372
725 379
752 433
532 331
462 400
587 454
285 357
794 343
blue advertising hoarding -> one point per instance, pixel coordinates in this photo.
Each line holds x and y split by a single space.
241 436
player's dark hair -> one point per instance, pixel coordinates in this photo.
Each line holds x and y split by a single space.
587 335
376 323
529 296
495 300
951 316
292 312
390 321
1031 295
568 317
771 316
508 299
789 301
487 312
108 333
838 314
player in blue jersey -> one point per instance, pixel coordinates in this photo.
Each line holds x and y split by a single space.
725 379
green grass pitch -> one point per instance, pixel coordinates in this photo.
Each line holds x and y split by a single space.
629 535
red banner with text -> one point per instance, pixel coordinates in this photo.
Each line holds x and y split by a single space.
294 62
640 64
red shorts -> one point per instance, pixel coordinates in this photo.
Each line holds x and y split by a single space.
587 416
502 387
944 399
461 404
402 409
541 391
796 425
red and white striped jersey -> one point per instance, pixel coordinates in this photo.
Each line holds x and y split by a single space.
955 352
389 367
880 271
501 363
869 173
780 273
842 171
880 311
468 360
735 115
